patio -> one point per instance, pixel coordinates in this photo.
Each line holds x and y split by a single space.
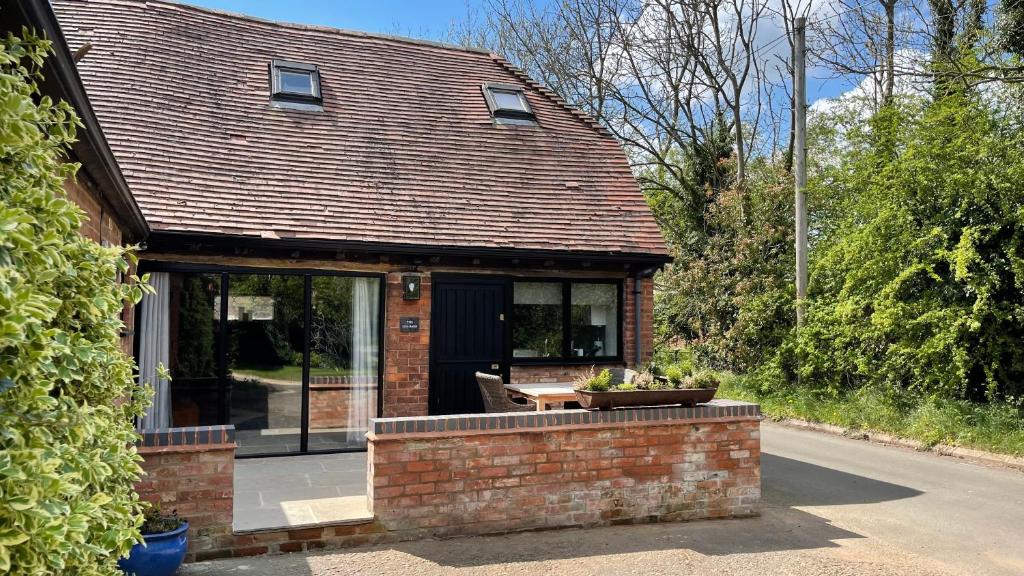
299 491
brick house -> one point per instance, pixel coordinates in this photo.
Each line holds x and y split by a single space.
347 225
343 228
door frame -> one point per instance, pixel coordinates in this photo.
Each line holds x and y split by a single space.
506 329
222 336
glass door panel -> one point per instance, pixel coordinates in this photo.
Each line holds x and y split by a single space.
236 346
193 324
343 365
265 341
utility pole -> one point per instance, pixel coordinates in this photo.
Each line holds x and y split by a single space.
800 162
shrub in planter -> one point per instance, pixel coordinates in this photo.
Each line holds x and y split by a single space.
163 550
594 382
645 389
676 375
644 381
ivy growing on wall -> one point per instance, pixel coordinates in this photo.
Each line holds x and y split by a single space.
67 394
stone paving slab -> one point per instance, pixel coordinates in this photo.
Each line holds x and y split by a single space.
292 491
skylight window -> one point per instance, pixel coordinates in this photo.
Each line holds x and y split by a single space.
508 104
295 85
509 101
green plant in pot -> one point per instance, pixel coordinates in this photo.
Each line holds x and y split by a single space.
676 375
599 391
165 542
592 381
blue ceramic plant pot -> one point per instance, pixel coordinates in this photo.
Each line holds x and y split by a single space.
162 554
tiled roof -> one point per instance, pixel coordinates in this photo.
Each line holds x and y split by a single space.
405 151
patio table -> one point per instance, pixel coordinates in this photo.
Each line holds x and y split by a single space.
545 393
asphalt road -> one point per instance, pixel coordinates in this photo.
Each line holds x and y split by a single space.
832 506
964 515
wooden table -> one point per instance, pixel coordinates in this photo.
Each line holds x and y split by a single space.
545 393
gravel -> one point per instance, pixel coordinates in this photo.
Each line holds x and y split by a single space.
783 541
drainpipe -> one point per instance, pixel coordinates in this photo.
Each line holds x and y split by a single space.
638 316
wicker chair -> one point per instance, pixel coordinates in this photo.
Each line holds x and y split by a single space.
496 399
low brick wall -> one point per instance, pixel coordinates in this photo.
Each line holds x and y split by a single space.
440 476
329 399
479 474
191 470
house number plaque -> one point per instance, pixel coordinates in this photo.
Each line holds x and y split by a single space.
408 324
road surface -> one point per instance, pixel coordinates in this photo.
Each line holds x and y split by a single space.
965 515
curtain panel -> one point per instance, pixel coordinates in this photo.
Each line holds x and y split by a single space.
153 340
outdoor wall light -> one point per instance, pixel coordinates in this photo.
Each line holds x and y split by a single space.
410 287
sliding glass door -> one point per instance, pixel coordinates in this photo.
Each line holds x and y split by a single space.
265 338
291 359
343 360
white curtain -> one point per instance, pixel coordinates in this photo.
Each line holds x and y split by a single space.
153 350
365 356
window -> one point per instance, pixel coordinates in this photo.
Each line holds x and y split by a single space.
509 101
508 104
537 320
566 320
295 85
594 324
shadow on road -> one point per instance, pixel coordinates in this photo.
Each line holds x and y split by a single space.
789 482
776 530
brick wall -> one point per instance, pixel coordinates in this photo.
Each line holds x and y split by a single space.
446 476
647 321
530 374
464 475
100 226
191 470
329 399
406 354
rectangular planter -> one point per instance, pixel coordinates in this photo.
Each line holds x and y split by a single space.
632 398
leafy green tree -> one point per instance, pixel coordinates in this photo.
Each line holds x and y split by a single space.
919 285
1012 26
68 399
729 292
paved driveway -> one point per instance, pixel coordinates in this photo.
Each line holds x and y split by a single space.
832 506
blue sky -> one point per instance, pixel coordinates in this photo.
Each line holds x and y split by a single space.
419 18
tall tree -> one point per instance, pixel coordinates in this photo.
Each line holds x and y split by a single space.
662 75
1011 27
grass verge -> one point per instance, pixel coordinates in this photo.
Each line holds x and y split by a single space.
992 427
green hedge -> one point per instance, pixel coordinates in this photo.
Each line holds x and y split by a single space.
67 397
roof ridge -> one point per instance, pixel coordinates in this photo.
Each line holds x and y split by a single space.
550 94
314 27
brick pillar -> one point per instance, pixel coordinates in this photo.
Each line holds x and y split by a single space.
406 354
646 329
192 471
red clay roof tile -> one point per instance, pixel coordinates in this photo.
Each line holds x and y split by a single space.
404 152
